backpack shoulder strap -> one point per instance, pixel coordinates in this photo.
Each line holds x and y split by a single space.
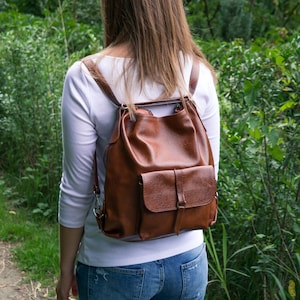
100 80
104 86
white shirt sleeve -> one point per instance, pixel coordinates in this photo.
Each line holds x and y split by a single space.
79 143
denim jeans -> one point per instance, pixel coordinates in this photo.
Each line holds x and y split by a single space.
183 276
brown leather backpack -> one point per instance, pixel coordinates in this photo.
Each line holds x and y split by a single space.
159 170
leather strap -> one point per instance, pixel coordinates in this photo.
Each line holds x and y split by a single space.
181 203
96 181
99 78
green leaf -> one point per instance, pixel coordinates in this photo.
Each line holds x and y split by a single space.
287 105
260 235
224 244
276 153
279 60
273 137
255 133
238 272
241 250
279 285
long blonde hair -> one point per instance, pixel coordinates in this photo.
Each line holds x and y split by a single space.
157 32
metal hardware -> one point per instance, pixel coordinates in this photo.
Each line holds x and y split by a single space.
98 209
124 106
98 213
181 204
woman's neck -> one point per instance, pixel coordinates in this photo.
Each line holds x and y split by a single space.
120 50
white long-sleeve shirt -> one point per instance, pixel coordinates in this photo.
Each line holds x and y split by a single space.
88 118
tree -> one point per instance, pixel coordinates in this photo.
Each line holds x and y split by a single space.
246 19
235 20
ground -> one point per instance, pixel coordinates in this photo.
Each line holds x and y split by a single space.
12 285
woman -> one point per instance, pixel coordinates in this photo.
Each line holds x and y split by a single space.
149 55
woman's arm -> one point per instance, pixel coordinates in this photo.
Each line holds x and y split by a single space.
69 243
76 188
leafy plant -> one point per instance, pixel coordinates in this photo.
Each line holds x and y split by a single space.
220 266
259 172
33 64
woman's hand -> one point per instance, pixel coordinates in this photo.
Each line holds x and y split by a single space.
74 287
64 285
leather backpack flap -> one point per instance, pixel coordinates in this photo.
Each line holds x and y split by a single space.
184 188
177 200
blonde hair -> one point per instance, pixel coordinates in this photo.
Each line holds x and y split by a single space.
157 33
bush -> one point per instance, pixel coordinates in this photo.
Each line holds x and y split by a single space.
34 59
259 171
235 20
31 81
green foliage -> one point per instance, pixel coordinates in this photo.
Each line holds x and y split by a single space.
220 267
259 179
246 19
235 20
33 62
268 15
202 17
86 12
26 6
31 83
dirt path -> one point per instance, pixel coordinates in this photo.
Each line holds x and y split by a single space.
12 284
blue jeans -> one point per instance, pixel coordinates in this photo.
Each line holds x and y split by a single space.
183 276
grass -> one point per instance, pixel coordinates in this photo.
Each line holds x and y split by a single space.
36 242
